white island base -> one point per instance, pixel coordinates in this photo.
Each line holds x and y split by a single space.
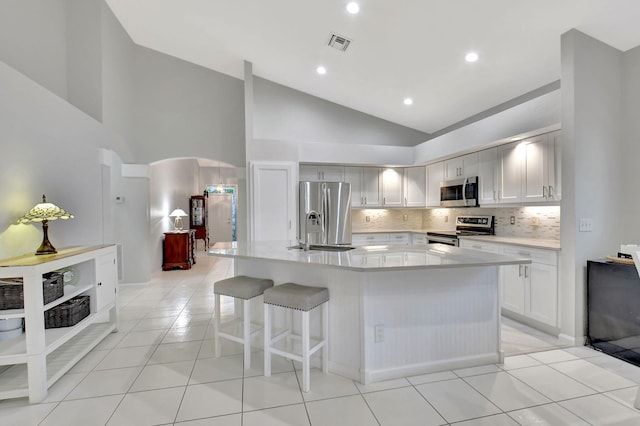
386 324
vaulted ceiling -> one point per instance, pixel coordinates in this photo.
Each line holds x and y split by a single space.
399 49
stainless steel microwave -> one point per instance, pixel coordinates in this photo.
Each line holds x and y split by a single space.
459 192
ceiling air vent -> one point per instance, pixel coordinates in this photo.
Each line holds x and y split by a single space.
339 42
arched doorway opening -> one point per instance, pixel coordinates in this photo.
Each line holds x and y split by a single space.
173 182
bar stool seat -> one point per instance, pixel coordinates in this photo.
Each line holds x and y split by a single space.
296 297
244 288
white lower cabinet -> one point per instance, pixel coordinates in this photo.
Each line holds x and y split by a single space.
381 239
529 292
34 360
532 290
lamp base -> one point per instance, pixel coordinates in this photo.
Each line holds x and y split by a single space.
46 247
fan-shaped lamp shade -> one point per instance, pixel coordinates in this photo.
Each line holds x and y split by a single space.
44 212
177 214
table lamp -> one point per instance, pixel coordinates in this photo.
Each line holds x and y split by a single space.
44 212
177 214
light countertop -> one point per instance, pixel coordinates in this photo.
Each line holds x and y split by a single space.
520 241
524 242
367 259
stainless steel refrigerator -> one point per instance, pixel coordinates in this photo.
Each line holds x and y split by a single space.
324 213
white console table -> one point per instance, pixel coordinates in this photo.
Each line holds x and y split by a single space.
39 357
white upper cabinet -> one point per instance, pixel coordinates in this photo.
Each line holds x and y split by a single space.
529 170
435 176
415 186
510 173
327 173
526 171
488 176
555 163
365 186
392 185
535 179
461 167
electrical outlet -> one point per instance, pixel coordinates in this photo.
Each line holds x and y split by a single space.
378 330
585 225
367 218
405 217
512 220
535 221
446 219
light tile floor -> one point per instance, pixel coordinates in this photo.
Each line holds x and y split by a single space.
159 369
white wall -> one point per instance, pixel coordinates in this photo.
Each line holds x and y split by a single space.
282 113
628 224
118 85
33 41
538 113
47 147
592 144
184 110
84 56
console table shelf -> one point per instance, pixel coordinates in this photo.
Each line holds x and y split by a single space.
40 356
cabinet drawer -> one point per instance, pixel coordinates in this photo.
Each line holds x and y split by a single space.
480 245
547 257
402 238
419 239
369 239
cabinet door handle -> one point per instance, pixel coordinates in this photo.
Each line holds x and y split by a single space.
100 283
519 270
525 272
384 201
550 191
544 192
405 201
365 200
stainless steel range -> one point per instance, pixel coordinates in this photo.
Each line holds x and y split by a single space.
465 225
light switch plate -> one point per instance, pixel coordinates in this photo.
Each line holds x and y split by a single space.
585 225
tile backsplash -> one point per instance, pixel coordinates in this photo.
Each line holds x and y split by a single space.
386 219
529 222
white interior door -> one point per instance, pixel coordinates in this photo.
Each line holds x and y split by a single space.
220 217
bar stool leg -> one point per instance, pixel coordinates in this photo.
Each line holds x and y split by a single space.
305 352
246 325
216 328
267 339
325 337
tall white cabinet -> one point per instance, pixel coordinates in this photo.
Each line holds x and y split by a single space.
39 357
272 197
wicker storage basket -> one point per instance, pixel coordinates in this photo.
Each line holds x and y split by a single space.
67 314
12 293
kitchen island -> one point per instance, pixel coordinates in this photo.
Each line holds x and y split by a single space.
394 311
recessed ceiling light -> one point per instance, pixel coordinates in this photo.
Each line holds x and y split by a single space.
353 7
408 101
471 57
321 70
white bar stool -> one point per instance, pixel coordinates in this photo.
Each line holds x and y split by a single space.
245 288
301 298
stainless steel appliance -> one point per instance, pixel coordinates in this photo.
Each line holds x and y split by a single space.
324 213
465 225
459 192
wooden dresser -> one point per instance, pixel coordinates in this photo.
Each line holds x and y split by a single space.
178 249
